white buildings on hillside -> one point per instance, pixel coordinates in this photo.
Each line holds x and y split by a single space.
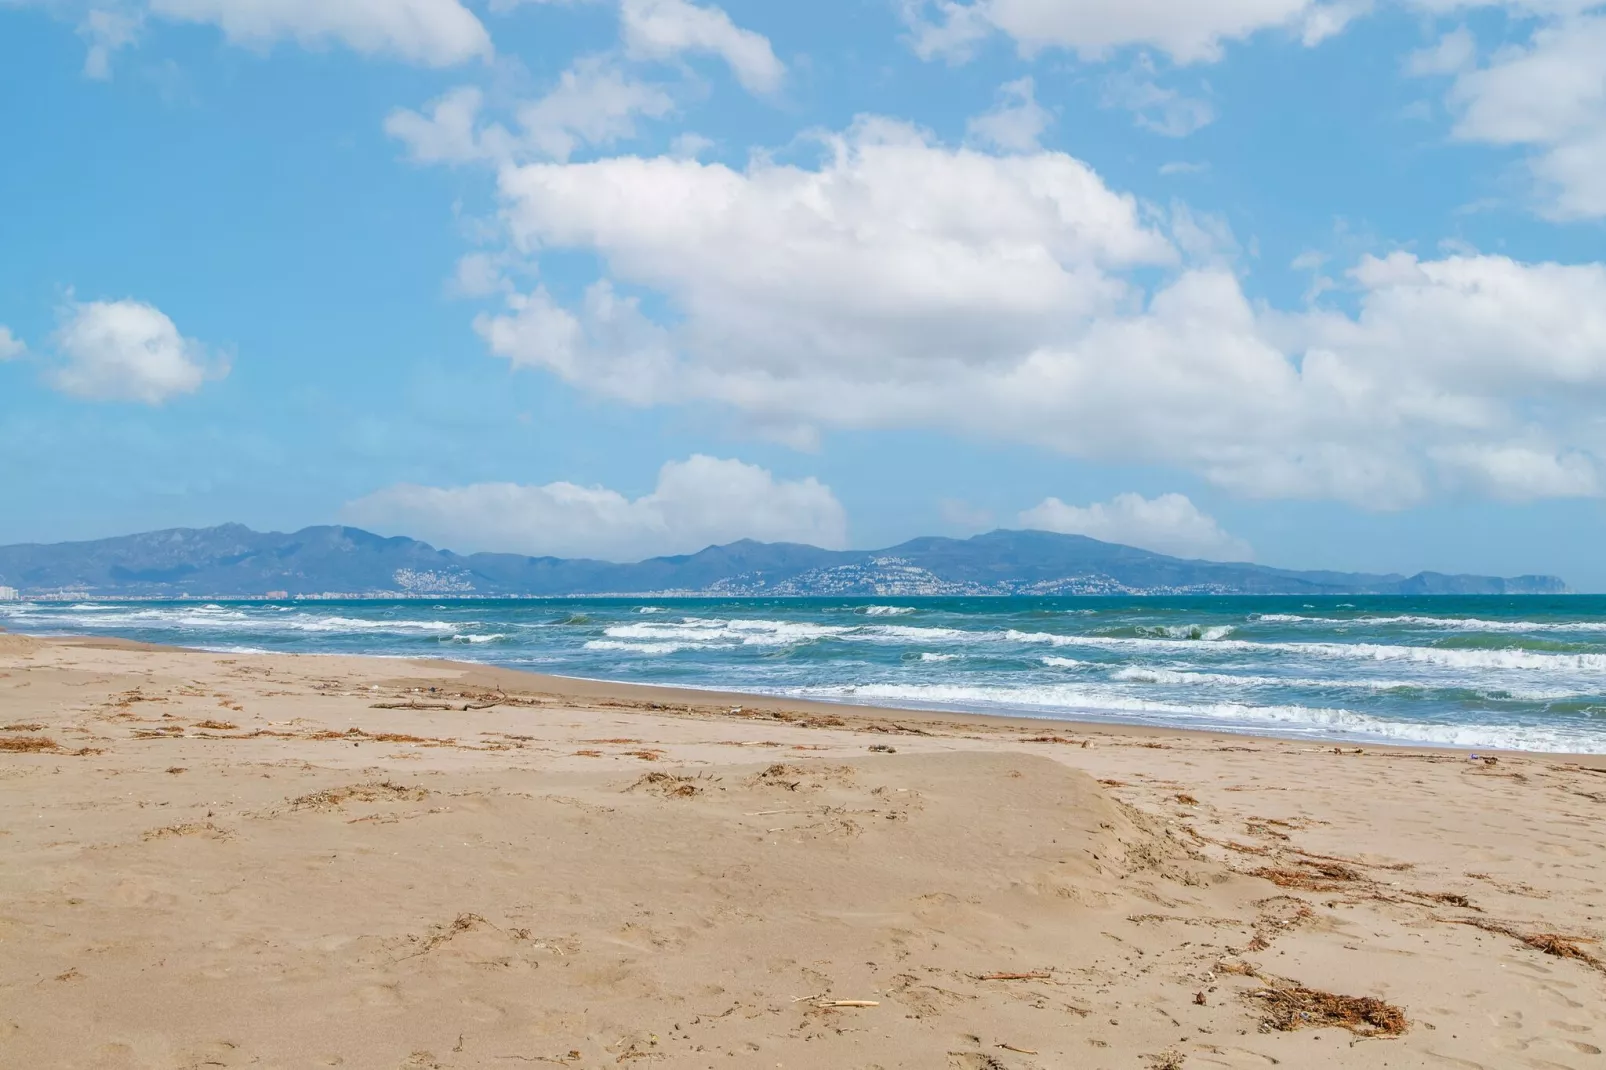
8 594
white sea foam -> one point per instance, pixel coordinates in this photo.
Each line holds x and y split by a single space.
1461 624
1282 719
745 632
1140 674
887 611
1061 663
466 638
1443 656
651 648
928 656
1207 633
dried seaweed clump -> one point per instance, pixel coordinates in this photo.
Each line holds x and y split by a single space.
377 791
1297 1007
27 744
1309 876
668 785
1562 947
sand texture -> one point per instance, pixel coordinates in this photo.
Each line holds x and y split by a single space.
274 861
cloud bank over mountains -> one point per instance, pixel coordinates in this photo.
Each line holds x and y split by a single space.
698 502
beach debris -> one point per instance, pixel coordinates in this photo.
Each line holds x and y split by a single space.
828 1004
1562 947
1199 999
1030 975
1019 1050
1186 800
373 791
670 786
191 828
1290 1007
1313 876
27 744
882 748
1170 1059
217 726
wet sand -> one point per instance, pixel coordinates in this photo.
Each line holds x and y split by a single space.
280 861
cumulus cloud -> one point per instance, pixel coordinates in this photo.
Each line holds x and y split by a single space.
593 103
433 32
1016 123
127 351
1186 30
1549 95
1170 524
900 282
11 346
697 502
661 29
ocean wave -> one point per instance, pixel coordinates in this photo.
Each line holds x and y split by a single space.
760 632
886 611
1509 658
745 632
466 638
1206 633
928 656
1326 722
1140 674
650 648
1061 663
1464 624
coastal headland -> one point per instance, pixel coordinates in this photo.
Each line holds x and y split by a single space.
287 861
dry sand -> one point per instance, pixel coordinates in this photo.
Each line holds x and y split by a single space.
216 860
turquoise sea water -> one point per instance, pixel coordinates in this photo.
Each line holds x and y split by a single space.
1520 672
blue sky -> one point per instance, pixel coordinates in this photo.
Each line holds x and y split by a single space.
1317 283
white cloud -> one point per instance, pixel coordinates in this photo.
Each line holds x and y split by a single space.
593 103
698 502
903 283
1520 472
127 351
1154 107
1187 30
1453 52
11 346
433 32
1016 123
662 29
1170 524
1550 95
107 31
479 275
449 130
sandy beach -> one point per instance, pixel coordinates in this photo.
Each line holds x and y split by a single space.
281 861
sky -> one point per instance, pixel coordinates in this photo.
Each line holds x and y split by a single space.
1314 283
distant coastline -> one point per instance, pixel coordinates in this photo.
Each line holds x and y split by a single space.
341 563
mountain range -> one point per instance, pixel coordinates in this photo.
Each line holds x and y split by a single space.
232 561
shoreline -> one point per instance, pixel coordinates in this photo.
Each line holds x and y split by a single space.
604 689
339 860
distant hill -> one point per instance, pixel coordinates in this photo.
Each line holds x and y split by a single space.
234 561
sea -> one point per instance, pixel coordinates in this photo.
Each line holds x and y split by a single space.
1474 672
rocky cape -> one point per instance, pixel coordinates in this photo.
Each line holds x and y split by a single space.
232 561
